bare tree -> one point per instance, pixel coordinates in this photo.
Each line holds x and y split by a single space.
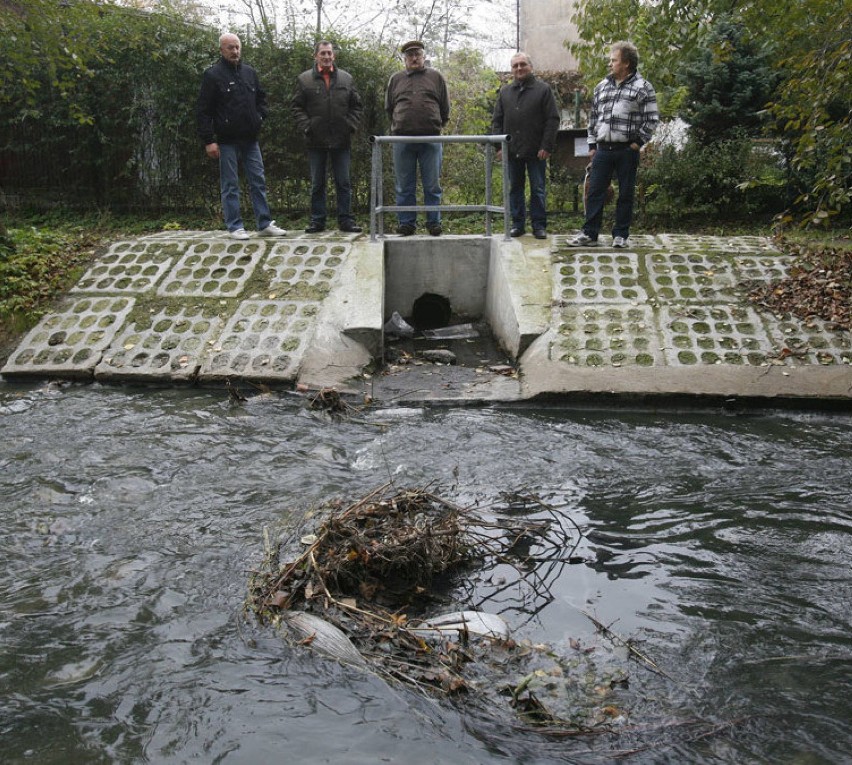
442 24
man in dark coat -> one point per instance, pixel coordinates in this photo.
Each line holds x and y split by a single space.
231 108
526 111
328 109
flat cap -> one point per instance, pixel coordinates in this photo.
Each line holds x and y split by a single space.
410 45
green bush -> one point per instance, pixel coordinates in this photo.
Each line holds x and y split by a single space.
733 179
124 136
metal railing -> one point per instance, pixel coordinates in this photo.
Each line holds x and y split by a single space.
378 208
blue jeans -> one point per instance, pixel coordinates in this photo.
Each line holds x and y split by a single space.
405 159
247 153
536 169
623 163
340 162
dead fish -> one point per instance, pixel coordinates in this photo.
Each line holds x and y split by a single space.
458 622
322 637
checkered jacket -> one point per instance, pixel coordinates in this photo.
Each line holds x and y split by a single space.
624 113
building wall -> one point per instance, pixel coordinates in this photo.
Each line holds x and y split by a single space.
543 28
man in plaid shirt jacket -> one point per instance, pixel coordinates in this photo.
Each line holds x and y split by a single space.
623 118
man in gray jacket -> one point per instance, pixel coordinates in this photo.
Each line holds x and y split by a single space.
526 111
328 109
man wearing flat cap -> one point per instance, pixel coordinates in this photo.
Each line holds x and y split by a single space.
418 103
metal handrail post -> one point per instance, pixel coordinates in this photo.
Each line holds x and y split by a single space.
489 153
505 148
375 187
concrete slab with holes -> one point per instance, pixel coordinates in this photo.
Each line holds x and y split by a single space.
666 317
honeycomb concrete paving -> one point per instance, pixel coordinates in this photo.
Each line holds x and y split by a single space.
679 300
70 343
302 269
263 339
129 267
219 269
609 335
693 278
669 315
186 307
601 277
169 344
720 334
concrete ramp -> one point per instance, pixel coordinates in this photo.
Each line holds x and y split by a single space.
667 317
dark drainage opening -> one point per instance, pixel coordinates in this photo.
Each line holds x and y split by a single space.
431 311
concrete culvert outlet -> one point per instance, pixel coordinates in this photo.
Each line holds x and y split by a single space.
431 311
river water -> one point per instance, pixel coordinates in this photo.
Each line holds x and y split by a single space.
719 544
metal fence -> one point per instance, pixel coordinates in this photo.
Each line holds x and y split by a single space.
378 208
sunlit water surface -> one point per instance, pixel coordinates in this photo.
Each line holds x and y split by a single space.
131 518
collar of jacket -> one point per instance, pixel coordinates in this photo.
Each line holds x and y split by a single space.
524 83
318 71
629 78
232 67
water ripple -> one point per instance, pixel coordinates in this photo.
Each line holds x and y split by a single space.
132 518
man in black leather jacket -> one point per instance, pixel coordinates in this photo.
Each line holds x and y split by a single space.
231 108
327 109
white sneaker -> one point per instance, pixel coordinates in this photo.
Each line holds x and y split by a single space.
272 230
239 233
582 240
620 242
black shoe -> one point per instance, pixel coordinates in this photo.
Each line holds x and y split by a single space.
517 232
435 229
406 229
540 233
349 228
315 228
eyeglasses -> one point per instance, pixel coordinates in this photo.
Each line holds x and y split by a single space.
413 53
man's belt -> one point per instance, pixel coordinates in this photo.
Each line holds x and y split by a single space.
613 146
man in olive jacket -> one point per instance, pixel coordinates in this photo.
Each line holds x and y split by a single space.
328 109
526 111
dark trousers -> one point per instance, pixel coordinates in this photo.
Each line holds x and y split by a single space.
536 170
340 162
623 163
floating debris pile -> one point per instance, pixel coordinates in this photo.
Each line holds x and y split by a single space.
367 565
359 584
